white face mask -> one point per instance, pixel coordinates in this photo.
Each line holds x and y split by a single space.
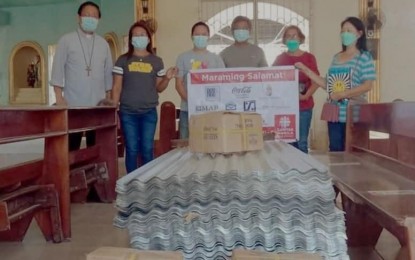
200 41
89 24
241 35
139 42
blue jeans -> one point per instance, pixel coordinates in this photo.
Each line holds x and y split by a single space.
138 130
305 122
184 125
337 136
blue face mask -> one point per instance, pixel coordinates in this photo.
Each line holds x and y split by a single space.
292 45
200 41
241 35
139 42
89 24
348 38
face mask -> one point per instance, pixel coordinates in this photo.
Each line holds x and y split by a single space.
200 41
89 24
348 38
241 35
292 45
139 42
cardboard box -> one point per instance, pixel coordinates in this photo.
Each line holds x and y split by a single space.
242 254
225 132
117 253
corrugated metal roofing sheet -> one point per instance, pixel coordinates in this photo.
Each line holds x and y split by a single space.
277 199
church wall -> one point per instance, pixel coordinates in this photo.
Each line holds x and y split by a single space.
45 24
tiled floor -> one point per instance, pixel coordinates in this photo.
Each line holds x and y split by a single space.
92 228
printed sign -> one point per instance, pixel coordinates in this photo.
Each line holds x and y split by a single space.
271 92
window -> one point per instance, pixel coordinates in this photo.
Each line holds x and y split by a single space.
269 18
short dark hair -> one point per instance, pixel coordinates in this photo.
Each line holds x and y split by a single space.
360 26
200 24
241 18
81 7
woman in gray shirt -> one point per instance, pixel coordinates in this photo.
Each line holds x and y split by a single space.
138 77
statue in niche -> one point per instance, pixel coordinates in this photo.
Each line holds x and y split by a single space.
33 73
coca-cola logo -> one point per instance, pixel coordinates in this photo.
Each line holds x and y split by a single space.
241 91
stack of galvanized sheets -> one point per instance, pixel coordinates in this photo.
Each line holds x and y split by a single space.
277 199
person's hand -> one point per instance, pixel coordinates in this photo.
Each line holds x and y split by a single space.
172 72
106 102
303 97
60 101
336 96
301 66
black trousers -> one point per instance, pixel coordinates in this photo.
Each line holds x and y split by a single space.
76 138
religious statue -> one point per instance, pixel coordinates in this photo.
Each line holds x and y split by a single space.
33 73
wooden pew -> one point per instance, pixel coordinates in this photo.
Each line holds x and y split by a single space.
34 187
168 128
376 174
97 166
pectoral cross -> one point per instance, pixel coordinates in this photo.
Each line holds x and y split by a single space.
88 69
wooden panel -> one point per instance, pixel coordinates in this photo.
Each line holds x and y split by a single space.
108 154
35 122
168 130
103 121
396 118
4 219
56 168
89 118
20 173
83 155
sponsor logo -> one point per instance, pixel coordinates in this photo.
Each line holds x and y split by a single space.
230 106
207 108
285 127
284 122
241 92
268 91
250 105
212 93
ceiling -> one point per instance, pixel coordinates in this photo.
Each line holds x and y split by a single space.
13 3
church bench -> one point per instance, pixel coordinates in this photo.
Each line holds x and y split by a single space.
168 128
94 167
34 185
376 174
41 185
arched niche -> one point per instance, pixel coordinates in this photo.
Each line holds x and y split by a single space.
112 40
27 74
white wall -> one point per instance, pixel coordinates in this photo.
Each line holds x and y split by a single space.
397 51
175 21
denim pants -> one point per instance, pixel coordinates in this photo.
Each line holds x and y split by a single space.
337 136
305 122
138 130
184 125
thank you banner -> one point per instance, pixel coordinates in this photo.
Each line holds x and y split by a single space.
271 92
